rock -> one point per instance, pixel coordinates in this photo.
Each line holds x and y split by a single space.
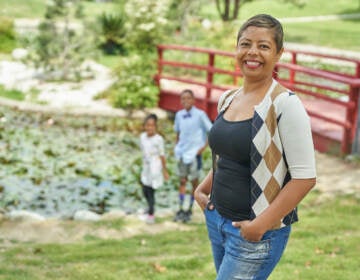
85 215
19 54
23 215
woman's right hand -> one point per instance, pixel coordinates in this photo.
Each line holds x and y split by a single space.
202 199
202 192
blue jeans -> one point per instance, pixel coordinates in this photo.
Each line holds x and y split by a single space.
237 258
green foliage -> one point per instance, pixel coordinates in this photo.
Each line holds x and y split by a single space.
59 48
63 8
7 35
112 33
135 86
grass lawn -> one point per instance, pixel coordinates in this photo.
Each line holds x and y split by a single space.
335 34
281 9
324 245
11 94
36 8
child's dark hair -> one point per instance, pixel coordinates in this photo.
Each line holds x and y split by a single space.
189 91
151 117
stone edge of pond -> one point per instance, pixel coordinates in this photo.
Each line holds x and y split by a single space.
81 111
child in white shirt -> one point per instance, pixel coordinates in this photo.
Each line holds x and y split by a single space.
154 169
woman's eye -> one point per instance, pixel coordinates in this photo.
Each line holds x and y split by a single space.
264 46
244 44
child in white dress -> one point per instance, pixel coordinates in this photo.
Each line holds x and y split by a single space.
154 169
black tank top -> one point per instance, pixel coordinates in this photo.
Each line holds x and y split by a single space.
231 141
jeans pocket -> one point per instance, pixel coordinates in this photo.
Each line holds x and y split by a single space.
261 247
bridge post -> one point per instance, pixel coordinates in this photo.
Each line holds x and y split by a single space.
292 72
209 80
356 142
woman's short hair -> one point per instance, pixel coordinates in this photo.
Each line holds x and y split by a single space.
265 21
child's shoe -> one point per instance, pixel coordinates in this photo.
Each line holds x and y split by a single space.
150 219
179 216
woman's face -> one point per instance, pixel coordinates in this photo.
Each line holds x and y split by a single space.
256 53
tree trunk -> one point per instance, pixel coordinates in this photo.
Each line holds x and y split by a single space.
226 14
227 10
236 9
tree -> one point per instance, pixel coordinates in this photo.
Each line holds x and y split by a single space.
229 9
60 47
181 10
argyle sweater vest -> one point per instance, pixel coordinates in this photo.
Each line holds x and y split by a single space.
268 166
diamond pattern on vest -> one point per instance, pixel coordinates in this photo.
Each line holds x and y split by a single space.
268 165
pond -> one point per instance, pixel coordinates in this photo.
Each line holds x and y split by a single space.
55 164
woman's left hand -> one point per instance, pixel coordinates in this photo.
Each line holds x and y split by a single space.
249 230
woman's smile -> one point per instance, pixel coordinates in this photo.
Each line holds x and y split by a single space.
253 64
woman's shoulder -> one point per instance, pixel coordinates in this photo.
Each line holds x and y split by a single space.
282 96
225 98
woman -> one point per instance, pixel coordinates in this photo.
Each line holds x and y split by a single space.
263 161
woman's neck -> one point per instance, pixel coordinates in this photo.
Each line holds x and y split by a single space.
256 87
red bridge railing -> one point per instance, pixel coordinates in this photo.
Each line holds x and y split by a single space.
328 85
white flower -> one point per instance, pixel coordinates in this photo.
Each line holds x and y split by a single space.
147 26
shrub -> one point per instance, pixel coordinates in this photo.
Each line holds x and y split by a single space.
135 87
112 33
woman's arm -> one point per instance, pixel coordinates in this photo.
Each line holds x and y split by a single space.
287 199
203 190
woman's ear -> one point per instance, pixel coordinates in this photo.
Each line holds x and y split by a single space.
279 54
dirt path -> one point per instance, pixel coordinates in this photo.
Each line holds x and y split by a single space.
335 176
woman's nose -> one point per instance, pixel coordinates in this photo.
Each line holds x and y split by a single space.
253 50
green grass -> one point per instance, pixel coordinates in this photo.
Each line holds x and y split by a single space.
323 245
22 9
280 9
36 8
110 61
11 94
335 34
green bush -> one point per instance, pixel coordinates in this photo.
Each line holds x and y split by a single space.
7 35
112 33
135 87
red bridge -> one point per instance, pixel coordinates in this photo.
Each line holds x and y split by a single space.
328 85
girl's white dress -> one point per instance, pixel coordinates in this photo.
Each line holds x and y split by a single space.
152 148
